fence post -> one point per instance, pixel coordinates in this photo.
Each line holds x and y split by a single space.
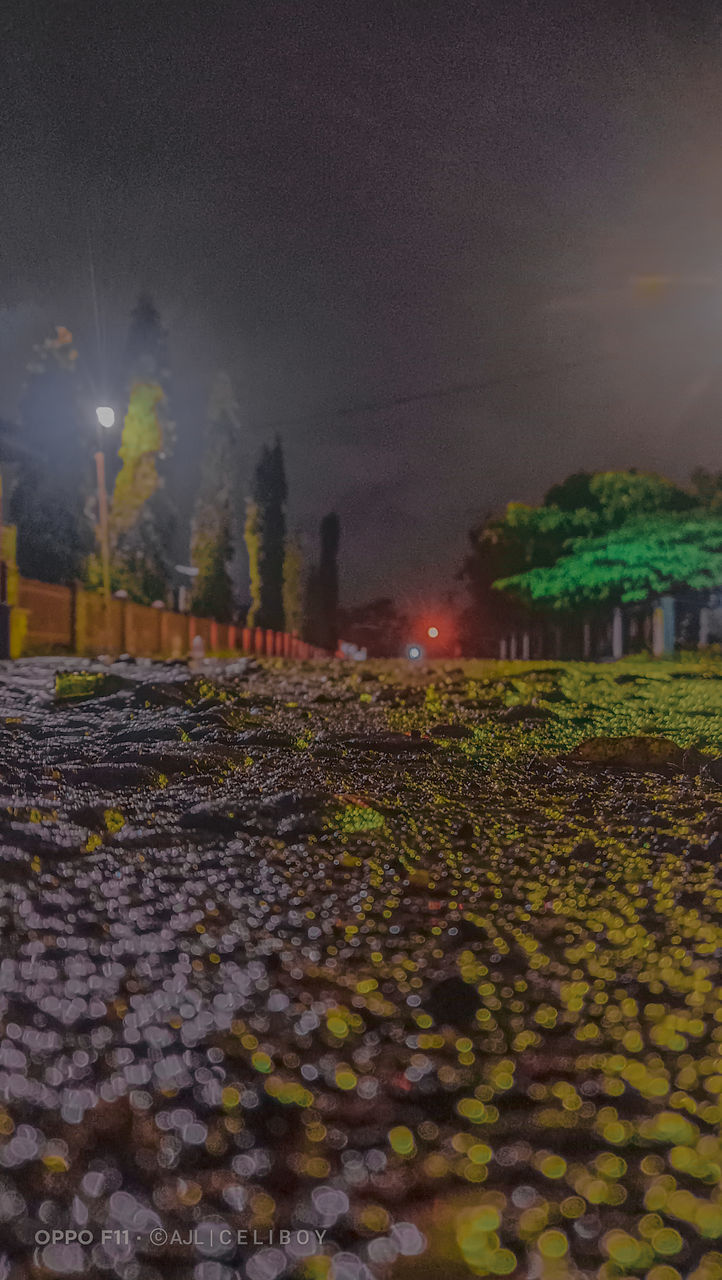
213 643
617 634
663 628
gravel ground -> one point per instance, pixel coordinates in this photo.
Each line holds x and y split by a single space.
374 962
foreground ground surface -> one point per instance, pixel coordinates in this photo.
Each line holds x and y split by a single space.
369 951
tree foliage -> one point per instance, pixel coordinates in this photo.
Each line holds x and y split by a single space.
142 516
53 462
253 549
213 518
267 539
516 562
646 556
146 351
139 522
293 586
376 626
328 582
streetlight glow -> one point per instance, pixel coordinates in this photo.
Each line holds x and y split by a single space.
105 416
433 632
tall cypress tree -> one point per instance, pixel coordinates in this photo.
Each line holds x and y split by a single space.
213 519
139 530
251 533
266 537
146 350
142 519
321 601
328 582
54 468
293 586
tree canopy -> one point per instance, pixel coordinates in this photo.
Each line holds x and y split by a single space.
597 538
646 556
213 518
53 466
266 539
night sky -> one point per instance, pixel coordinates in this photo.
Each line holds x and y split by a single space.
346 204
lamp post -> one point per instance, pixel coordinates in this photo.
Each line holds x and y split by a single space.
106 419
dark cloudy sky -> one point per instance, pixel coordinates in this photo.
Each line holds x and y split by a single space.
345 203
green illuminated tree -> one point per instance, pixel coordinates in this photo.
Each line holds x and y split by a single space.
213 518
139 526
645 557
142 516
528 540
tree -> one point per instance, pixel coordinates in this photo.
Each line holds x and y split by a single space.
311 605
140 527
707 488
328 583
377 627
146 351
49 502
213 519
321 598
646 556
142 517
252 535
529 538
293 586
266 539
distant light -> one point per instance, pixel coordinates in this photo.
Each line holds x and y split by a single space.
190 569
414 652
105 415
433 632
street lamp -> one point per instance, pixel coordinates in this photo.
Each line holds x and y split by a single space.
106 418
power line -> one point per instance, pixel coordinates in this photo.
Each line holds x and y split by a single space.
434 393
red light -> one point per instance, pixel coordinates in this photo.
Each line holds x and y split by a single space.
433 632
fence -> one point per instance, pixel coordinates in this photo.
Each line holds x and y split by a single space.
48 618
659 625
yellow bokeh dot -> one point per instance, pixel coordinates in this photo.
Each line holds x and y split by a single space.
552 1244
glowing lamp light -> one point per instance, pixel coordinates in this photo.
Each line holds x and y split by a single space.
414 652
105 415
433 632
